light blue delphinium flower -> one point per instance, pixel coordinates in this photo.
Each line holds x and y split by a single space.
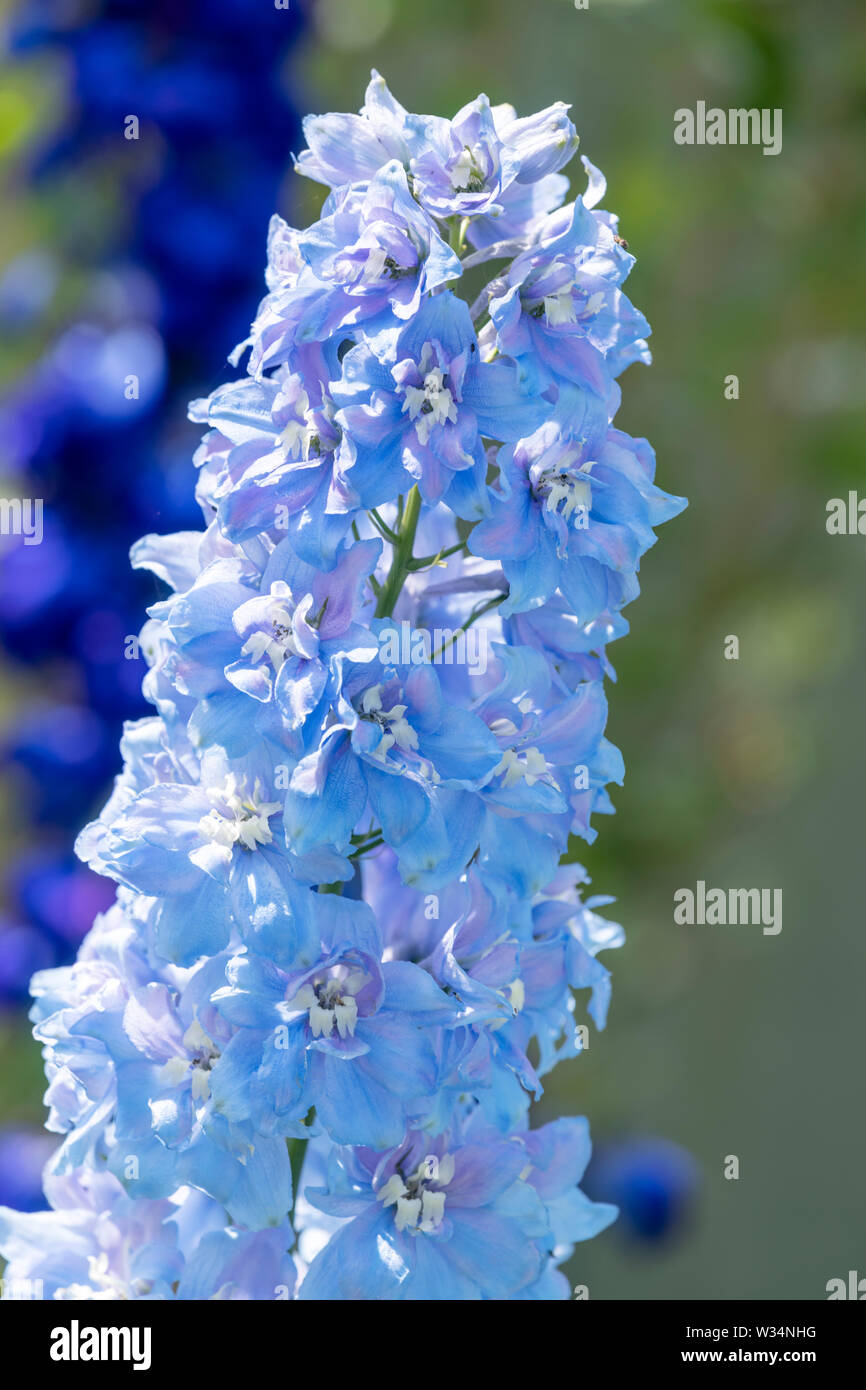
343 925
454 1218
133 1058
206 851
559 308
98 1243
458 166
574 514
417 405
351 1037
429 1221
375 249
509 965
401 748
268 465
243 641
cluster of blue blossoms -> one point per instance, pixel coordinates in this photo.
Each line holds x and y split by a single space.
296 1057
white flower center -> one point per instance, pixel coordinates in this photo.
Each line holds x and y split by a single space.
274 642
430 404
378 266
514 995
395 727
419 1205
569 492
331 1004
559 308
238 818
381 265
566 304
467 175
529 766
203 1052
302 436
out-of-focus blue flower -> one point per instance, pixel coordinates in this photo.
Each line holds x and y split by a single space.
60 893
65 752
652 1180
24 949
60 896
23 1155
163 292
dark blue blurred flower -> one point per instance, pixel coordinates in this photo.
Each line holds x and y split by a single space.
653 1181
59 894
54 899
24 949
67 755
166 287
23 1155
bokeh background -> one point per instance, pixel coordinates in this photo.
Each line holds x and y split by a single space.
748 773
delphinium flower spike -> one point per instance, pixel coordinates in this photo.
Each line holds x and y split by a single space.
303 1044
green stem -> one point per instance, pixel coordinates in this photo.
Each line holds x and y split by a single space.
362 849
402 556
297 1149
457 234
423 562
358 840
473 618
383 528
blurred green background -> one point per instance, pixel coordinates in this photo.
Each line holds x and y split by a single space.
744 773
